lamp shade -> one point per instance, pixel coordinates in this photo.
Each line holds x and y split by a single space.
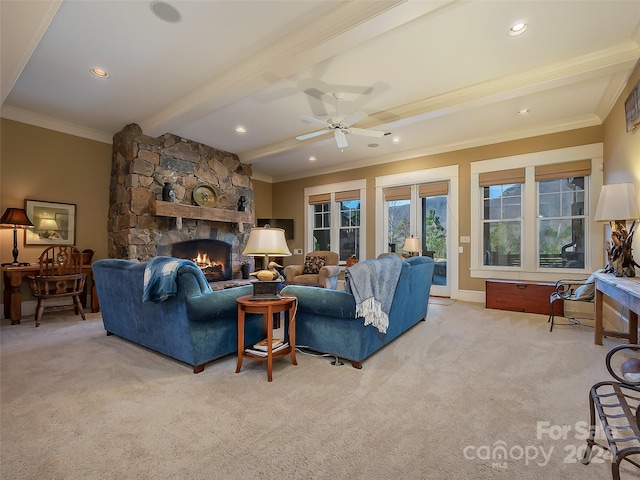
15 217
48 224
617 202
267 241
412 244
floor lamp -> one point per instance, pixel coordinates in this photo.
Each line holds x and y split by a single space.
15 218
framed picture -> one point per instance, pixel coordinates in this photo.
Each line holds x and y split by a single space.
632 108
54 223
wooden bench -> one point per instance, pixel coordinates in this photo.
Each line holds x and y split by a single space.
617 405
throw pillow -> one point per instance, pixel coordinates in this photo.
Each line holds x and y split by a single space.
586 293
313 264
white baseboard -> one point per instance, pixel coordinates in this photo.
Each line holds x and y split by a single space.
470 296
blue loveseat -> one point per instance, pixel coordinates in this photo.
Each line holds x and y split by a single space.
195 326
326 319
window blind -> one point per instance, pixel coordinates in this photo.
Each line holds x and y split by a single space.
579 168
502 177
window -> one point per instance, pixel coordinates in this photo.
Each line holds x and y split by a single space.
535 219
562 223
322 226
502 224
335 218
349 232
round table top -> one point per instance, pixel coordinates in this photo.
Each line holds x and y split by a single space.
245 300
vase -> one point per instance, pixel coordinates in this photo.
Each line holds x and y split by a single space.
167 191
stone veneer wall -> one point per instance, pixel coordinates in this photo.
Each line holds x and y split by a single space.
141 164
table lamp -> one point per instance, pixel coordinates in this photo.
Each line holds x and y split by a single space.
15 218
265 241
616 205
412 245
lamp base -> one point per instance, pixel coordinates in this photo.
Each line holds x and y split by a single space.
16 264
266 290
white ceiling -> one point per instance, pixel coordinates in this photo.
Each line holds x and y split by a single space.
440 75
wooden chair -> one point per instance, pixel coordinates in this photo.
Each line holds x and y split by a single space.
60 276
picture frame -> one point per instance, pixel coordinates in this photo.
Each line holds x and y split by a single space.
54 223
632 108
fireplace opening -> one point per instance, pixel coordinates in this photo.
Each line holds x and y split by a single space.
212 256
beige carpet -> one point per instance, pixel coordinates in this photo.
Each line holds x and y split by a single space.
434 404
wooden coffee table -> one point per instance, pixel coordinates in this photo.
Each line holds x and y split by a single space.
267 308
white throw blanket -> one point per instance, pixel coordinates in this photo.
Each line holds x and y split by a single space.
373 284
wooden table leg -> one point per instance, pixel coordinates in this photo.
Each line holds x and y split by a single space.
268 320
240 337
633 327
292 333
95 303
598 323
13 297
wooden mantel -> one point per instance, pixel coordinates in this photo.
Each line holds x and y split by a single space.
177 210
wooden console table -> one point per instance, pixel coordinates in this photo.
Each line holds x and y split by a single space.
13 278
625 291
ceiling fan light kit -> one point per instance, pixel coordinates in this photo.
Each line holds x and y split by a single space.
340 127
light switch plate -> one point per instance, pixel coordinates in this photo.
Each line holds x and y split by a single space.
465 239
297 251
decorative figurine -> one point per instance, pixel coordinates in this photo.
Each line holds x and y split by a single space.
268 275
242 204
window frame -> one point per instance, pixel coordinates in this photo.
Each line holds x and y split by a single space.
529 268
332 189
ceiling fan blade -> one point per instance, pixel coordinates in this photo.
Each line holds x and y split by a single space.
354 117
341 138
315 120
311 135
368 133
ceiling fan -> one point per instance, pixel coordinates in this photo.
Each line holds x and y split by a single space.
340 126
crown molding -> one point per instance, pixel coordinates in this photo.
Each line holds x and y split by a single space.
38 120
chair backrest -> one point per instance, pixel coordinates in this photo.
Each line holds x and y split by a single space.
332 257
61 260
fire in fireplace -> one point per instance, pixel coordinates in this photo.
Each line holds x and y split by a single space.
212 256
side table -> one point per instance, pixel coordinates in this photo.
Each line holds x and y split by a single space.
267 308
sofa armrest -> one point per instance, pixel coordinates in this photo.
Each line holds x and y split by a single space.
322 301
219 303
328 276
292 271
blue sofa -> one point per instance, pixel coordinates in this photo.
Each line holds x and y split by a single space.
326 319
195 326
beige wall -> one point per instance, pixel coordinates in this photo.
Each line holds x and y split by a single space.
291 193
262 195
41 164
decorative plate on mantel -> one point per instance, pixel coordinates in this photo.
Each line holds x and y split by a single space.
204 195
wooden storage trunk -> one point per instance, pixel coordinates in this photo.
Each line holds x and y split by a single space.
516 296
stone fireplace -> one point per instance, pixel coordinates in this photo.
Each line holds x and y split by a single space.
142 226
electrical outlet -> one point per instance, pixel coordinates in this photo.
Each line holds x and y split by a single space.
297 251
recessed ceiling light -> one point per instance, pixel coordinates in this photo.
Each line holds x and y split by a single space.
241 129
312 159
99 73
518 29
396 140
524 111
165 12
373 145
